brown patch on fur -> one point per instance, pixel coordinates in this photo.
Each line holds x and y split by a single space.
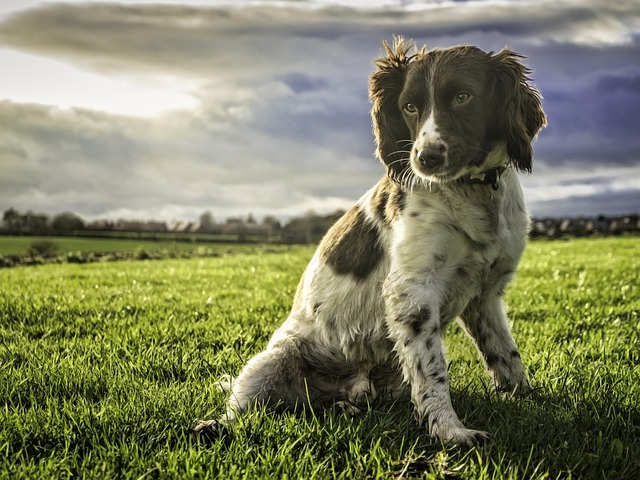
351 246
522 107
388 200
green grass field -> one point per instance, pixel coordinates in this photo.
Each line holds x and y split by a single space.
18 245
104 367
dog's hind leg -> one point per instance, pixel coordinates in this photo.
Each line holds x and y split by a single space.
274 377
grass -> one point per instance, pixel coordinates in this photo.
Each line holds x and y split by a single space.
28 251
19 245
105 366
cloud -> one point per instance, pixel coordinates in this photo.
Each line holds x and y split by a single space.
620 202
101 165
554 191
222 39
280 118
593 120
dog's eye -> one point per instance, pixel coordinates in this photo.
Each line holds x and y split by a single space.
410 108
462 97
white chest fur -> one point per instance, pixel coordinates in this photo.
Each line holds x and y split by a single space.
458 243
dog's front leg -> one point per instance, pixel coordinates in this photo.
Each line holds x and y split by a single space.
485 321
414 323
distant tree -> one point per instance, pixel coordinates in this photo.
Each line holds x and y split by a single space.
67 222
27 223
101 225
36 223
207 223
271 223
251 220
11 220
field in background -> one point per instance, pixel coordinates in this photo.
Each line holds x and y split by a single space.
10 245
105 366
19 245
28 251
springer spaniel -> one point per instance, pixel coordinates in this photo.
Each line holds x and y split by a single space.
438 238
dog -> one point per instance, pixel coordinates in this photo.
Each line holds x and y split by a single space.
438 238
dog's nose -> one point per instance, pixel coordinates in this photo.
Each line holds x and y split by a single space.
432 157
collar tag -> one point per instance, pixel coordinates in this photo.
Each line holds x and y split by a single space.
489 177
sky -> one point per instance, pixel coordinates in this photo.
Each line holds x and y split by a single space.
165 110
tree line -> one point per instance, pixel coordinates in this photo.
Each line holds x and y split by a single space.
305 229
309 228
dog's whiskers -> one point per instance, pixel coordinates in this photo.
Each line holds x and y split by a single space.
405 142
400 160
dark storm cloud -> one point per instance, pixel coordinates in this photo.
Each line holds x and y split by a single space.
301 82
594 119
236 40
283 117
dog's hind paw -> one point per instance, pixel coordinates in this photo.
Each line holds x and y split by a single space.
210 430
346 408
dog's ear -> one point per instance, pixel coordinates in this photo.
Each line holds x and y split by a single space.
520 107
393 137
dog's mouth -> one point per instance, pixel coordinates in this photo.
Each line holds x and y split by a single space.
442 174
447 173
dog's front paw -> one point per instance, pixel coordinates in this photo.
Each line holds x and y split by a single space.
464 437
520 388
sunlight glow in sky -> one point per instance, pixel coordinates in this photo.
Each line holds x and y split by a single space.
67 87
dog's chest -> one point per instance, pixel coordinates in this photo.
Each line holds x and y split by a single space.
467 240
461 241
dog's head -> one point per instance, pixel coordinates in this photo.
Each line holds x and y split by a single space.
446 113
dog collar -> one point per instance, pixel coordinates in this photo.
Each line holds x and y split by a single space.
489 177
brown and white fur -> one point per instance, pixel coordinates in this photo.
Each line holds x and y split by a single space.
437 239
